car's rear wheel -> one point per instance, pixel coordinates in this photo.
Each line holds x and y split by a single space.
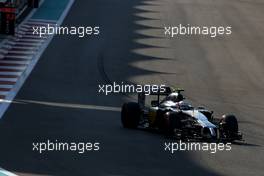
229 126
130 115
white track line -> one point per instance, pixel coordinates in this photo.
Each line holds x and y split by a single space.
18 73
22 43
25 26
6 173
13 67
27 44
31 40
30 23
21 32
3 51
6 86
21 52
9 79
4 93
34 36
7 46
13 62
10 43
18 57
22 28
42 20
23 47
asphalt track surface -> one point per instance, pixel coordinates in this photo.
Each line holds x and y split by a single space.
226 74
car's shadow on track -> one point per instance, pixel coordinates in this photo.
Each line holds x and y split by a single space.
177 139
244 143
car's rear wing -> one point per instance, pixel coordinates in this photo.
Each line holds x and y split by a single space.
161 92
166 91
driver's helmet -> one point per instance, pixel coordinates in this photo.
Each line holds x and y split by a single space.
175 97
185 106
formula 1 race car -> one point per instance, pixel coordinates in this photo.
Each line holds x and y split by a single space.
173 116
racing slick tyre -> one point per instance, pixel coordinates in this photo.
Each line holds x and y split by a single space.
130 115
229 126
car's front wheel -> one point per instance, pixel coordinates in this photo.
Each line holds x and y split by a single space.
229 126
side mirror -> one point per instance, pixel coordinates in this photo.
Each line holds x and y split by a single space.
154 103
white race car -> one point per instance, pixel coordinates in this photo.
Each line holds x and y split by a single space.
174 116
